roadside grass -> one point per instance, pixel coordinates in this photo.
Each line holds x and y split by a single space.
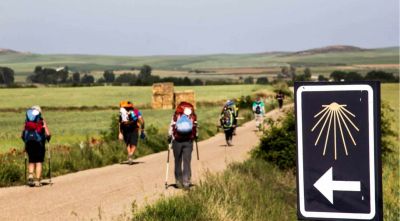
259 190
253 190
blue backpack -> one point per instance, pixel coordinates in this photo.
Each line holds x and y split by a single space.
184 125
33 126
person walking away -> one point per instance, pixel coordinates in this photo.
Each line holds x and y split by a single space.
230 104
258 108
182 132
34 134
130 120
280 96
227 121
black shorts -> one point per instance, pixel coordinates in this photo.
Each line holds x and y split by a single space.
130 134
36 151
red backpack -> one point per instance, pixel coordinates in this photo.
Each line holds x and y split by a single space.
180 118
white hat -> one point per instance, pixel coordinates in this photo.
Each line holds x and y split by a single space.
36 107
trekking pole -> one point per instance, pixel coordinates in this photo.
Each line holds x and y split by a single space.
166 173
49 158
25 160
197 149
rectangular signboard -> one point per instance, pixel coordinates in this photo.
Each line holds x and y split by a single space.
338 151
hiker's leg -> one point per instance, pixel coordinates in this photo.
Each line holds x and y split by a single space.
38 170
177 149
187 158
280 103
226 135
31 168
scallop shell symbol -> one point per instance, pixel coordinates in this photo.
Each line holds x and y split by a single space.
335 116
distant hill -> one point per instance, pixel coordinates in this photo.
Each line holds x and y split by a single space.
328 49
5 51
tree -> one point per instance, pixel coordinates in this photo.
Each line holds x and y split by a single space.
307 73
145 72
353 76
338 75
380 76
126 78
6 75
87 79
76 77
322 78
285 71
292 72
249 80
109 76
262 80
197 82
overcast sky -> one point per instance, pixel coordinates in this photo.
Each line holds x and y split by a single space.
154 27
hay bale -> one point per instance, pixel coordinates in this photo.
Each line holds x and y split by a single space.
163 88
163 96
187 95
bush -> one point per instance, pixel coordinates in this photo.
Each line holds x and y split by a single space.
278 144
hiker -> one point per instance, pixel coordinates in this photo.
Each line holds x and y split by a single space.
259 112
280 96
34 134
130 120
182 132
228 122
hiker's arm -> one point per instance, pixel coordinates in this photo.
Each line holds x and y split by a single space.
141 121
46 129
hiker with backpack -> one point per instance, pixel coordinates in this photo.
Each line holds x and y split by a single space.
130 120
258 108
182 132
228 120
34 134
280 96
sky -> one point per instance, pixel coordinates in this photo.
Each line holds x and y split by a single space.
182 27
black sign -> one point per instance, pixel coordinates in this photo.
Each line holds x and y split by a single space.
338 164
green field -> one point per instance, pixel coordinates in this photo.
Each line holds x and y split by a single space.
109 96
73 126
23 64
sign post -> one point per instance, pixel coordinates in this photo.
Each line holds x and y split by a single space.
338 151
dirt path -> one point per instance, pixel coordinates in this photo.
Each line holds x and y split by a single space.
107 193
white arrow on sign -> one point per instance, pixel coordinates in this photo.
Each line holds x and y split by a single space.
326 185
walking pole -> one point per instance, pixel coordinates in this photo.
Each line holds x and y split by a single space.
50 166
197 149
166 173
26 159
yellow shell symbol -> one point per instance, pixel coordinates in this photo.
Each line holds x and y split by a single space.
337 115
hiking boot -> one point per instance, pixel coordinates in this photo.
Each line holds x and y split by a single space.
186 186
130 161
179 184
229 142
31 181
38 183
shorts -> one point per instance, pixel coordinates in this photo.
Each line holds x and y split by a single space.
36 151
130 134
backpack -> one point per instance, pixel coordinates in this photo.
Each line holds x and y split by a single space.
258 109
33 126
184 124
227 119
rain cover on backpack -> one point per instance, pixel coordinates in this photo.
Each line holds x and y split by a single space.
184 122
227 119
184 125
33 126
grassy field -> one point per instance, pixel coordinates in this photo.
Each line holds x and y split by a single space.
73 126
110 96
23 64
